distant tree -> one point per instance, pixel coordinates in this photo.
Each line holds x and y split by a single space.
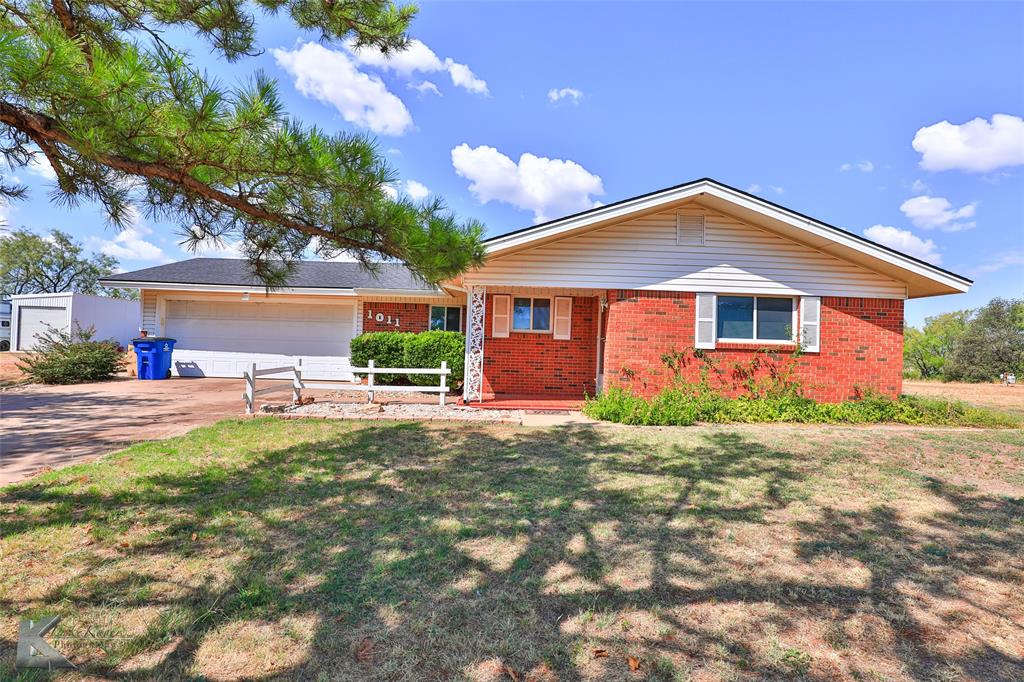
926 350
32 264
106 93
993 343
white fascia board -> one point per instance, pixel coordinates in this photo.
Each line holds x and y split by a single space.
230 288
21 297
408 293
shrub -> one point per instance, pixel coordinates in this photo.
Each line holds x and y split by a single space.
386 349
72 357
429 349
406 349
682 407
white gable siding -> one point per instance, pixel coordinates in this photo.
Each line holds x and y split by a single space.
643 254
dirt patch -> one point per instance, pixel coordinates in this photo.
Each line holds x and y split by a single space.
994 396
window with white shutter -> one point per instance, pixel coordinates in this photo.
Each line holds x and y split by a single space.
704 335
810 323
690 229
563 318
500 314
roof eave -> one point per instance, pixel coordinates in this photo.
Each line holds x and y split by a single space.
923 279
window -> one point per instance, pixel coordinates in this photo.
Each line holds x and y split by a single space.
5 323
445 318
531 315
755 318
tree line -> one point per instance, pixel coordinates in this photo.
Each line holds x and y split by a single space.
968 345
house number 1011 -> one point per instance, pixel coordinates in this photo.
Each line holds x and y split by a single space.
381 317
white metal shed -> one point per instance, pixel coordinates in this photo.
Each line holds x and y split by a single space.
32 314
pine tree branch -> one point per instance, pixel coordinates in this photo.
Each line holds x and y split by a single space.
44 130
63 12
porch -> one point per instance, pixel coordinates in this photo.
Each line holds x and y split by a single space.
533 348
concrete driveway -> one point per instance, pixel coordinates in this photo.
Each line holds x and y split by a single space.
59 425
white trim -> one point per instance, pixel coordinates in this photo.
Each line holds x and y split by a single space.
652 202
255 289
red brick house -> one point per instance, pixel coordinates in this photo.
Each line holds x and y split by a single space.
595 299
599 298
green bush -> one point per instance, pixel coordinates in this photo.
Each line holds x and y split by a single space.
429 349
72 357
386 349
406 349
682 407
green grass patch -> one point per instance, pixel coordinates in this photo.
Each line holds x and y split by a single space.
682 407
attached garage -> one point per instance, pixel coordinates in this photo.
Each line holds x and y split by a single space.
223 338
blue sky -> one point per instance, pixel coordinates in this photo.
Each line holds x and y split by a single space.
899 121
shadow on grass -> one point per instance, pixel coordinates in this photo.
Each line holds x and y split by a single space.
459 551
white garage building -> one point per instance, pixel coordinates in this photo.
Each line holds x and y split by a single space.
34 314
223 319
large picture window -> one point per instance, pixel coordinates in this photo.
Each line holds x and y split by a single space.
445 318
531 314
755 318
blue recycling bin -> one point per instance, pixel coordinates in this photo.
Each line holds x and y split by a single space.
153 355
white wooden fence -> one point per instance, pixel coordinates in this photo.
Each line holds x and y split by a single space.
370 371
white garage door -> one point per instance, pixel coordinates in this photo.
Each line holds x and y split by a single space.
221 339
36 320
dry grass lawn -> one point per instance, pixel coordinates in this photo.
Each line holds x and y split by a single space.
1008 399
319 550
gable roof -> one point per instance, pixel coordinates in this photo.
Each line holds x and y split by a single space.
308 275
922 278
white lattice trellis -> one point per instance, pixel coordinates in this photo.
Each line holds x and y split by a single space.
474 385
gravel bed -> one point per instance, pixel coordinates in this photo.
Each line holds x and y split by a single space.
396 411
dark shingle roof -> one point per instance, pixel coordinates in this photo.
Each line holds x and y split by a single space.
308 275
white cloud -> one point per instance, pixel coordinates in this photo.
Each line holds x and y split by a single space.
40 167
332 78
130 242
425 88
218 248
919 186
862 166
931 213
978 146
555 94
391 191
754 188
777 189
416 190
418 58
1004 260
548 187
904 241
395 151
463 77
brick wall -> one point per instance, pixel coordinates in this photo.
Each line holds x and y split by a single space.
411 317
532 363
861 347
